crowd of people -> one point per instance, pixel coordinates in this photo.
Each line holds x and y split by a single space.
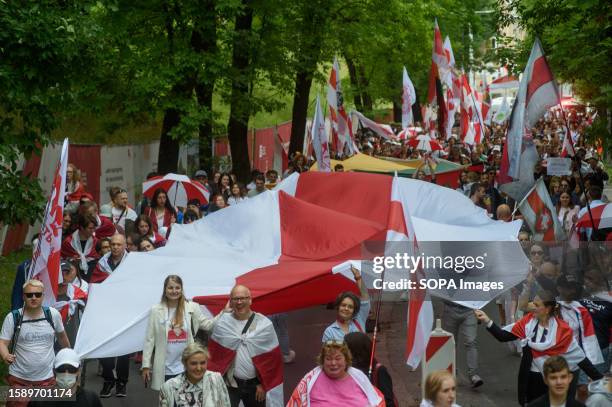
560 317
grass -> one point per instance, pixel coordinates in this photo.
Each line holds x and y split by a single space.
8 269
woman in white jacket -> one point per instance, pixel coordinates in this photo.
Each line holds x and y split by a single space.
172 325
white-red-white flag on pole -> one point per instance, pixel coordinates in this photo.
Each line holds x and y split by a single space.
469 113
340 121
540 214
320 141
408 99
46 260
447 78
537 93
420 312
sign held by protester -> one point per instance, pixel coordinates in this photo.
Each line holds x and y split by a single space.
558 166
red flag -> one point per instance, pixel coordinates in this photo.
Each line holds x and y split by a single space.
46 260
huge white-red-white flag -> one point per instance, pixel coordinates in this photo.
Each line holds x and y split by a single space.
340 122
420 312
453 88
537 93
408 99
320 141
541 215
46 260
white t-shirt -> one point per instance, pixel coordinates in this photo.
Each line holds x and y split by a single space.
34 353
160 220
175 346
120 215
244 368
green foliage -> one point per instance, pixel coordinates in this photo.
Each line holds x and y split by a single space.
576 38
41 56
8 269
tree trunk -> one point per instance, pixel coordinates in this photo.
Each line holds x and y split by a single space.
204 41
237 126
397 112
303 82
355 83
416 108
365 96
167 158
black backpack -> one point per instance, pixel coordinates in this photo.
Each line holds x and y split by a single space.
18 320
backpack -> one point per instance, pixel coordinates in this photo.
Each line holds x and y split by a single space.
375 382
18 320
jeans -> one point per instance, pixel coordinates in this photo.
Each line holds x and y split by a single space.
462 320
279 321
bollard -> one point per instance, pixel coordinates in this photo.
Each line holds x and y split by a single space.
439 355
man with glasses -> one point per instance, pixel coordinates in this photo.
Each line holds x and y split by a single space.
27 338
245 350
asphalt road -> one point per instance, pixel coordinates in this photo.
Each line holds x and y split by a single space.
498 367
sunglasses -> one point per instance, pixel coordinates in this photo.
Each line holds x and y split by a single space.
30 295
67 369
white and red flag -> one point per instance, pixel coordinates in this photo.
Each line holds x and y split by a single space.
439 67
537 93
320 141
46 260
469 114
581 322
541 215
420 311
383 130
447 76
283 246
261 345
340 121
408 100
558 341
76 296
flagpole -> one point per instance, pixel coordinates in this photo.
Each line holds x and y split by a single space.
569 134
376 318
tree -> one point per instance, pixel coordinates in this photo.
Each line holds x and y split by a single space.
43 54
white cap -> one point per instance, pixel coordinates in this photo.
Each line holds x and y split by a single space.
496 148
67 356
589 156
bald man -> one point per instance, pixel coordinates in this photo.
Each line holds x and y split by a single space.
504 213
111 260
244 349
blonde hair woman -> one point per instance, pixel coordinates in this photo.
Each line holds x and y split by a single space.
440 390
172 325
197 386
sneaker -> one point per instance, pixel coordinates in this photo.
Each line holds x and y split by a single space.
107 389
476 381
121 390
290 357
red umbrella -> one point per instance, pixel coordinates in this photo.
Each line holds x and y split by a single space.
602 217
180 189
424 142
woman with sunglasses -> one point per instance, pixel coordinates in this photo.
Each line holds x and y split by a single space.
197 386
544 334
173 323
335 383
351 311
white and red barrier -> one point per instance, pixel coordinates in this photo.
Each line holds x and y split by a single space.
439 355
